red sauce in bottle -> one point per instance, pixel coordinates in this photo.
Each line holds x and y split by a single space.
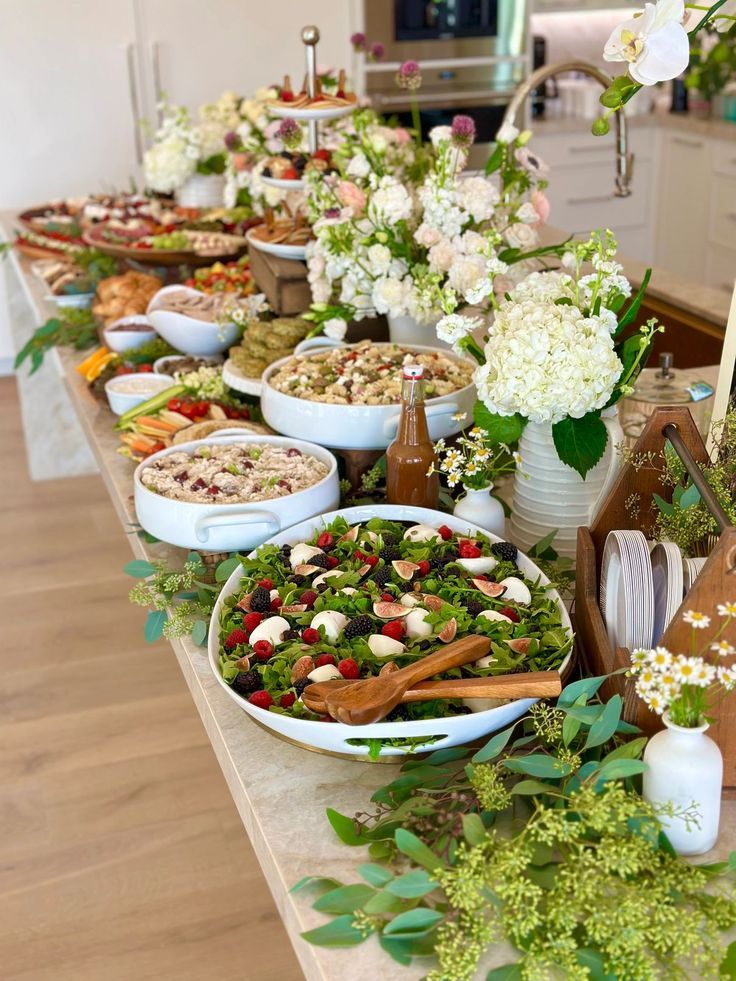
411 454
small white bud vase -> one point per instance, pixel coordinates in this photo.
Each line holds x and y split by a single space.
480 508
685 768
202 191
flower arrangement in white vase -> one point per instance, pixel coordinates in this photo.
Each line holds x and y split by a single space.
475 462
557 358
187 157
403 231
684 766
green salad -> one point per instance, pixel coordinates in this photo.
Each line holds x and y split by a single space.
353 598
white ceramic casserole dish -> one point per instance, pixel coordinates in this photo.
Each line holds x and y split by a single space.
232 527
359 427
333 737
187 334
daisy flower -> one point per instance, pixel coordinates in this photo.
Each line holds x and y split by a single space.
704 675
726 609
453 479
458 417
453 459
727 677
431 470
647 679
471 468
639 656
439 445
723 648
656 701
482 453
660 658
686 669
517 458
699 620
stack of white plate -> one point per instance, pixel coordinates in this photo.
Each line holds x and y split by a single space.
641 592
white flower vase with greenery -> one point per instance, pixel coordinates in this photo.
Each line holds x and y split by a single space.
684 774
557 359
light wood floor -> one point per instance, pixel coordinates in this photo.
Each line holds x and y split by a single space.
122 857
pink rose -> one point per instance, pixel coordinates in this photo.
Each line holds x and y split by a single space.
350 196
541 206
402 135
240 161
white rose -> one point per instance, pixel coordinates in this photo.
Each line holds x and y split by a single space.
466 273
521 236
478 196
441 256
390 296
507 133
427 236
439 134
358 166
527 214
336 328
379 258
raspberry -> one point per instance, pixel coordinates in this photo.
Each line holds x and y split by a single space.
310 635
276 603
371 560
324 659
357 554
424 567
325 540
510 612
349 668
251 621
234 638
263 649
332 561
287 700
359 627
266 584
469 550
387 598
308 597
393 629
445 533
260 600
261 699
505 550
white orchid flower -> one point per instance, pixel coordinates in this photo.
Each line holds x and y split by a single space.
654 42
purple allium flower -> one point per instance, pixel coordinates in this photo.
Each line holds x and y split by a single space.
463 132
232 140
358 41
290 133
377 51
409 76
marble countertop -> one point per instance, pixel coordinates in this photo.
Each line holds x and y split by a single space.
280 791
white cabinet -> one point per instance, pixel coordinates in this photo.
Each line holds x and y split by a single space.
193 51
66 115
682 222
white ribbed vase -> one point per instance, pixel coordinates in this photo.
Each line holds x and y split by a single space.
202 191
548 494
685 767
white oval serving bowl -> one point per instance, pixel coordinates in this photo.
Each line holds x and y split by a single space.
232 527
120 341
359 427
332 737
187 334
120 401
160 363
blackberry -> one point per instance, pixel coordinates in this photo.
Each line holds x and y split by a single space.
301 685
505 551
320 561
441 561
424 645
406 587
246 682
358 627
389 538
322 587
474 607
298 580
382 577
260 600
286 549
390 552
291 635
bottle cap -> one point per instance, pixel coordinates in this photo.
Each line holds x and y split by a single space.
413 371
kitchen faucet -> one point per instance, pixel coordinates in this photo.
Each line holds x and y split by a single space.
624 159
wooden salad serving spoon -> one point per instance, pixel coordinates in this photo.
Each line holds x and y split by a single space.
534 684
364 702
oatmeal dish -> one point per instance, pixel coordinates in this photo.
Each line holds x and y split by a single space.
367 374
233 473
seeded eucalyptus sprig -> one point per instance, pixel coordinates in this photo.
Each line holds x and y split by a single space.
539 838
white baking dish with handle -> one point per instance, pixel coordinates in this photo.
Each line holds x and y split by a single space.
239 526
336 737
359 427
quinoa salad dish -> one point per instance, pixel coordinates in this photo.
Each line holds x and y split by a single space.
367 374
233 473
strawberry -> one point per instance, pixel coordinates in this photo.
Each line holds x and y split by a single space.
310 635
261 699
263 649
393 629
348 668
308 597
325 659
387 598
325 540
510 612
290 175
321 155
287 700
251 621
424 567
445 533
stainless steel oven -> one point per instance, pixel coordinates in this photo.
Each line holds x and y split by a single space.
473 54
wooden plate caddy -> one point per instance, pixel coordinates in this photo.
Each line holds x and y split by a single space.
715 584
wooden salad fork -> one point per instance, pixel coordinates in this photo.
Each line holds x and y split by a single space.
533 684
364 702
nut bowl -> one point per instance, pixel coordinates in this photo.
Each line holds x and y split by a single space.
232 527
333 738
359 427
187 334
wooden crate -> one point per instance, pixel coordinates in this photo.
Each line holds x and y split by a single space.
715 584
284 281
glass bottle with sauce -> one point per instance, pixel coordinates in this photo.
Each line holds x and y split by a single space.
411 454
